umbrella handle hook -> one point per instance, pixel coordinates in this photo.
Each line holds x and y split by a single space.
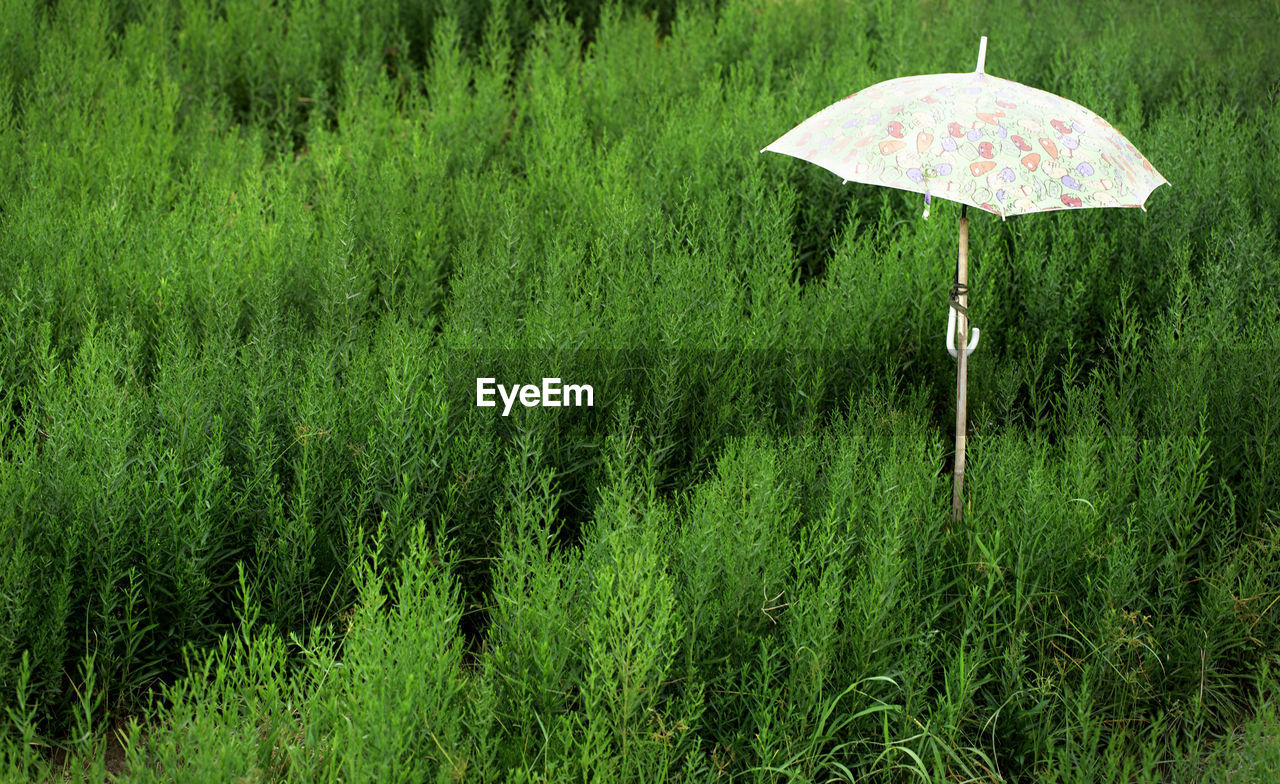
951 335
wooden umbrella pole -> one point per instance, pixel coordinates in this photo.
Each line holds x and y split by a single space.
961 295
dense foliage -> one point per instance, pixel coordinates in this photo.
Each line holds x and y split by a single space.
254 255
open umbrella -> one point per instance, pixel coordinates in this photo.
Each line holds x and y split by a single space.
978 140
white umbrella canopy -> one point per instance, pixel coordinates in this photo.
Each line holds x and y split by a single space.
982 141
976 139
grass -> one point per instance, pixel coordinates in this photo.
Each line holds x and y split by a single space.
253 257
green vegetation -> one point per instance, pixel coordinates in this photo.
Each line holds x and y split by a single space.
254 255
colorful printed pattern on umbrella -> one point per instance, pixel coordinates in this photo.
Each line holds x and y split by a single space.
977 139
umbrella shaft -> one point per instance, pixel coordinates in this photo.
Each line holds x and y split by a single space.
962 339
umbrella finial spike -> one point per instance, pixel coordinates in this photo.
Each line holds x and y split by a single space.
982 55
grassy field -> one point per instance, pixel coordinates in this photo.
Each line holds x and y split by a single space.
253 256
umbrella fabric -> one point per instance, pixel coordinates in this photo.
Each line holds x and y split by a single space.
979 140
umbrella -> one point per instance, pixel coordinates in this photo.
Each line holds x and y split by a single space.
984 142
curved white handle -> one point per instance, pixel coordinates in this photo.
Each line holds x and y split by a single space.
951 336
